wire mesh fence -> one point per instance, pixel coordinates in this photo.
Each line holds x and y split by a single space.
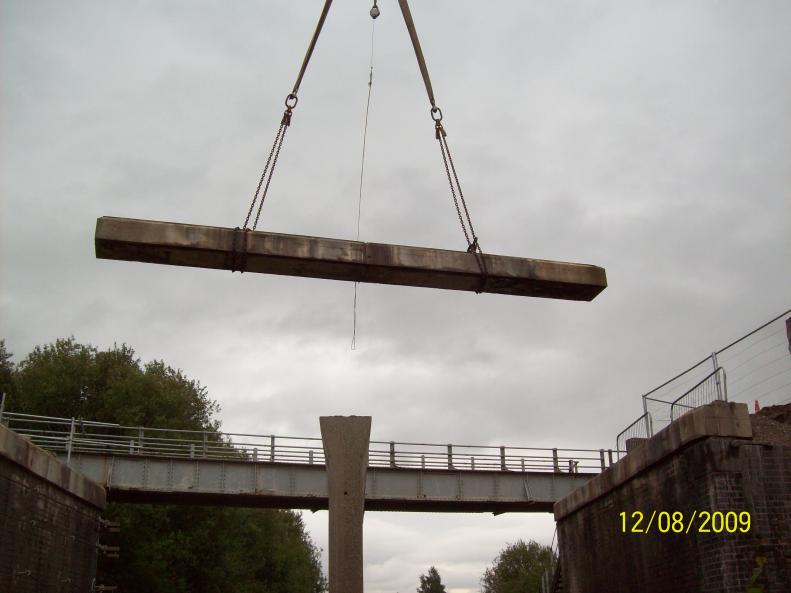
758 367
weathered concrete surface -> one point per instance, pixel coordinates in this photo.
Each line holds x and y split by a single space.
718 419
296 255
182 480
345 441
49 521
707 465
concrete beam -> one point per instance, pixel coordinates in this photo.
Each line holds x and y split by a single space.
296 255
345 441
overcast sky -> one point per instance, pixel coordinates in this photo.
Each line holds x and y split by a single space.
650 138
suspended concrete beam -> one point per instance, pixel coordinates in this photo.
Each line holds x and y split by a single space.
180 480
296 255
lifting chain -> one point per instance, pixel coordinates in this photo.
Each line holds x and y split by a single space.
285 122
473 245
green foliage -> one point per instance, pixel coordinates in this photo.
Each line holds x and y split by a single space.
518 569
180 549
68 379
431 582
6 370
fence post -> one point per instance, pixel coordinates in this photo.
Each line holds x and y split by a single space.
70 444
503 467
555 463
601 458
392 454
716 374
450 456
272 448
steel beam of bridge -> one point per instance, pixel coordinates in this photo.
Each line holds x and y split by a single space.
179 480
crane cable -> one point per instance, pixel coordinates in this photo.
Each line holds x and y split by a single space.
285 122
374 13
473 245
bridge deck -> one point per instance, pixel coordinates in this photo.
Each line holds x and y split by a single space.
136 478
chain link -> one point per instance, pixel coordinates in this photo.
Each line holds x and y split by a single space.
267 173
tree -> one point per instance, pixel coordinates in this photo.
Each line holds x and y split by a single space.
180 549
431 582
518 568
6 371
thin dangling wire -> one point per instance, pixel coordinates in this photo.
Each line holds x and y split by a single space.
374 13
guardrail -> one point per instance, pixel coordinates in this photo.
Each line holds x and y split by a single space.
71 435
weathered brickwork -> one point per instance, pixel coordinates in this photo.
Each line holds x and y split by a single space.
714 474
47 536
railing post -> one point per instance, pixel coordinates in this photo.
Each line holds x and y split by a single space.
392 454
601 458
555 463
131 446
450 456
272 448
472 462
422 462
140 438
70 444
255 454
192 450
503 466
523 464
205 445
310 456
609 454
2 405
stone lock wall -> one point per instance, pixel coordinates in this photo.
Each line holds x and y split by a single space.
49 521
706 461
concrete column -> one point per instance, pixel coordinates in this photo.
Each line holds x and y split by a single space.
345 440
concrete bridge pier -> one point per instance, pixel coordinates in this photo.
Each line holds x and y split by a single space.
345 440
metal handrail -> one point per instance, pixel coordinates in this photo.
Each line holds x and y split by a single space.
82 436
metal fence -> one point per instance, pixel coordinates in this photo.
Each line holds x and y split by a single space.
70 435
640 428
758 366
713 387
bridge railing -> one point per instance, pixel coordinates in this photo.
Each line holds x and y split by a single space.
70 436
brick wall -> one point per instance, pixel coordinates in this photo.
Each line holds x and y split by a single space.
47 536
714 474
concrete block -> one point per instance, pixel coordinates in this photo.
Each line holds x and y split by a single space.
296 255
722 419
